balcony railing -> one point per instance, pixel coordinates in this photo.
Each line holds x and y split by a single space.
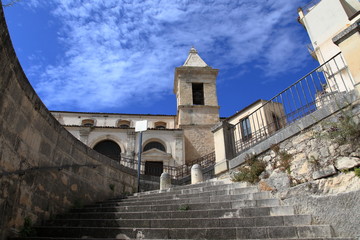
305 96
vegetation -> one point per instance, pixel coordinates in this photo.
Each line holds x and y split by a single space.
77 203
345 130
285 161
251 170
112 187
27 229
184 207
357 172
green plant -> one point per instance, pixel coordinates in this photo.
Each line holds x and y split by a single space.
344 130
251 171
184 207
27 230
112 187
357 172
275 148
315 162
77 203
285 161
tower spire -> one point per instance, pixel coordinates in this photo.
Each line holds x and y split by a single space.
194 60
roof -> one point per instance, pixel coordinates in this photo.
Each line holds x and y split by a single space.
247 107
194 60
102 113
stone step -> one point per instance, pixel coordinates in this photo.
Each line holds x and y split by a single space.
184 206
193 190
178 199
55 238
220 213
272 232
187 222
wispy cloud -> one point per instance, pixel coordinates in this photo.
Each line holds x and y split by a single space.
118 51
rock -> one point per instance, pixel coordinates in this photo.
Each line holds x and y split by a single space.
267 158
324 172
347 162
324 152
345 149
278 180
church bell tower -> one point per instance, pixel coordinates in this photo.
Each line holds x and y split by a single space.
197 104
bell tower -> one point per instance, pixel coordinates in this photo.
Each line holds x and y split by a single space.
197 104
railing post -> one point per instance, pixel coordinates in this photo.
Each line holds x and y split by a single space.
196 174
165 181
224 146
349 42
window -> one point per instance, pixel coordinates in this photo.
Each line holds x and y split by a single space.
109 148
245 129
198 93
123 124
160 125
88 122
156 145
276 121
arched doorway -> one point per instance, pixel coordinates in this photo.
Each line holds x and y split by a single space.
154 168
109 148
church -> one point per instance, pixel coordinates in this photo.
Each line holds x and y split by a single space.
171 140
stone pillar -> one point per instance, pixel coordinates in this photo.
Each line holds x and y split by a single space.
165 181
196 174
349 43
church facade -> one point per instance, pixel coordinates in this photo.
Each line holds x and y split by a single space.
171 140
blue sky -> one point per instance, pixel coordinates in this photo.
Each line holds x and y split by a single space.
120 55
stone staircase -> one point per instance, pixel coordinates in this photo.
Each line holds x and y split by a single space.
210 210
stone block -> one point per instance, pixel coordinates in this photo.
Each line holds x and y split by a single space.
324 172
347 162
252 233
282 232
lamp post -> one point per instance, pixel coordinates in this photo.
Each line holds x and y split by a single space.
140 127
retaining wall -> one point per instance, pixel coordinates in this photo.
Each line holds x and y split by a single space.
44 170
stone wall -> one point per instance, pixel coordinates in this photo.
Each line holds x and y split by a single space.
44 169
313 168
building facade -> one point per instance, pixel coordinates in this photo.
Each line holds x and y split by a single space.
171 140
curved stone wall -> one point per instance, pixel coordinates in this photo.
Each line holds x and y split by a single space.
44 170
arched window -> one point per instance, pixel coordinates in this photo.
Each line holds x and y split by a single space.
154 144
160 125
88 122
109 148
123 124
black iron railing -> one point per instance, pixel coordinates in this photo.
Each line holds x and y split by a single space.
305 96
176 172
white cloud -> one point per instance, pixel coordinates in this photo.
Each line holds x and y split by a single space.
119 51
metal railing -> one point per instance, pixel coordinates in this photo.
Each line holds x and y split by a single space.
176 172
305 96
308 7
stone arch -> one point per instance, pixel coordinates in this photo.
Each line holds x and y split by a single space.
155 143
109 148
111 138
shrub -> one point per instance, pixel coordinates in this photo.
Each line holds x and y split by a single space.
285 161
27 229
357 172
251 171
345 130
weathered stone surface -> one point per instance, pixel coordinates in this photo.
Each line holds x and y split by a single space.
46 169
324 172
347 162
196 174
278 180
165 181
